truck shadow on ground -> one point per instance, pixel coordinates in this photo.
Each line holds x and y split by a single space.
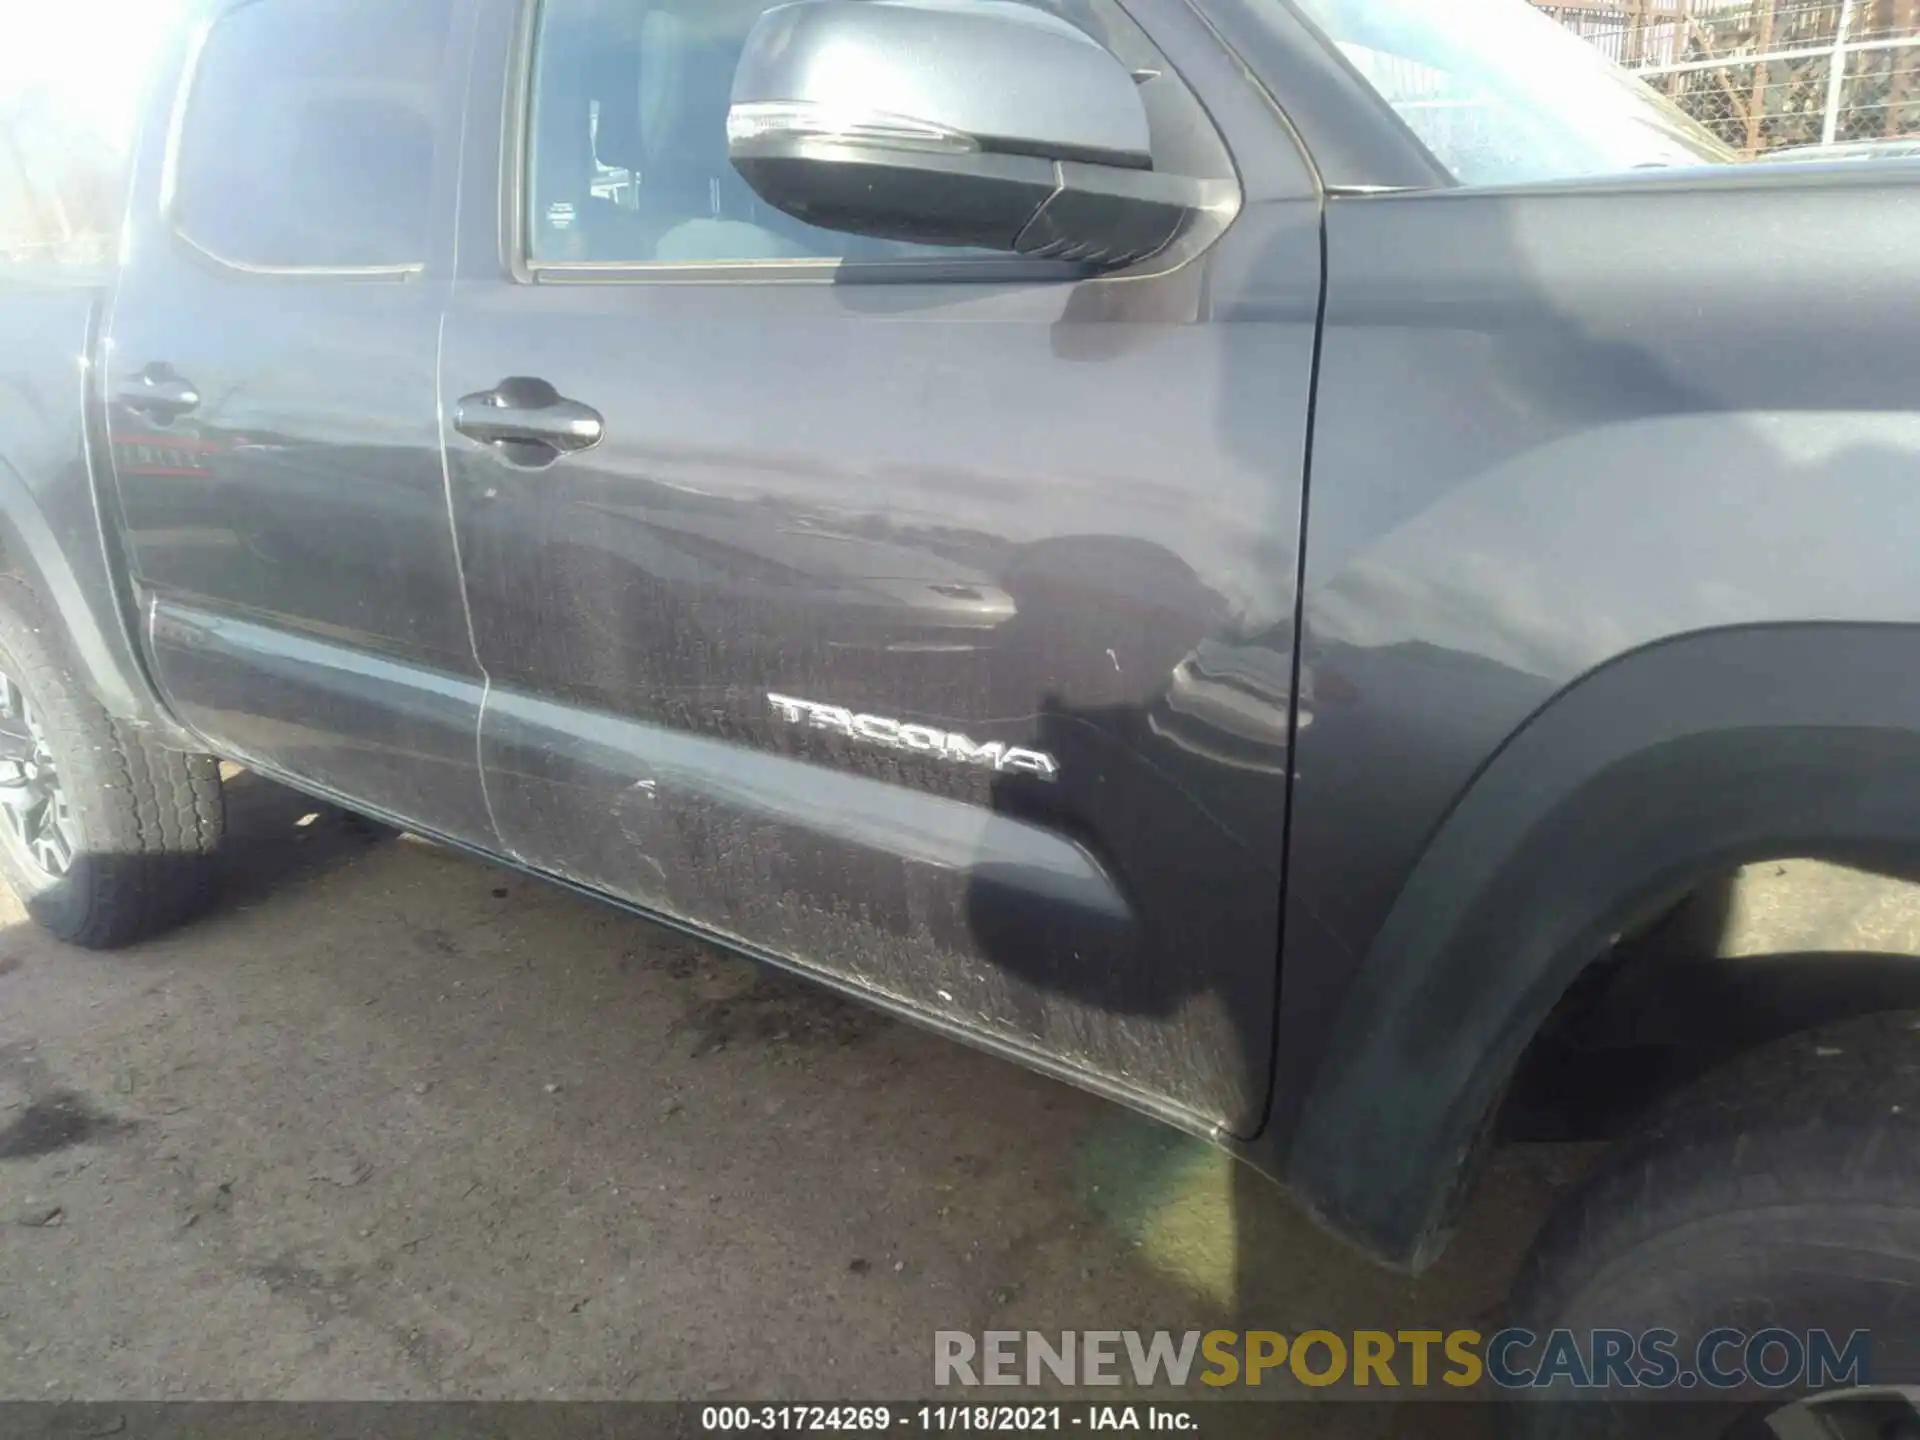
277 836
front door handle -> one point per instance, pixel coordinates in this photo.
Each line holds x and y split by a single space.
520 414
159 393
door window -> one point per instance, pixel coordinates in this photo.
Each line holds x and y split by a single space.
629 155
628 151
308 141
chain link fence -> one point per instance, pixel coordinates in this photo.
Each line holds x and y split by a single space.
1768 75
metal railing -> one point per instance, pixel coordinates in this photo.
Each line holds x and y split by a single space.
1768 74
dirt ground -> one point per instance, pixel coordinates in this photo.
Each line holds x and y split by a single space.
392 1123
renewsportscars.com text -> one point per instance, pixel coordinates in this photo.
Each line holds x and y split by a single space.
1512 1359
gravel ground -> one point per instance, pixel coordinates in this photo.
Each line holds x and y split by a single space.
394 1124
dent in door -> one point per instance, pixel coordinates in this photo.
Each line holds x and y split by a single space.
743 843
1058 519
384 730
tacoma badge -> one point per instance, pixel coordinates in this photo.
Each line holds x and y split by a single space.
920 739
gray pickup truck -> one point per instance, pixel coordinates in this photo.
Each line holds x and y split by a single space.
1235 551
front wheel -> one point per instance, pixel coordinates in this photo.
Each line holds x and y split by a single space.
105 837
1767 1219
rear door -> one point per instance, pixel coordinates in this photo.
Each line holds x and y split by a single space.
921 619
272 404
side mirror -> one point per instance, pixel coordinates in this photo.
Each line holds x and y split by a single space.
986 123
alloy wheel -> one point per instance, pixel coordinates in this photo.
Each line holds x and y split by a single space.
36 821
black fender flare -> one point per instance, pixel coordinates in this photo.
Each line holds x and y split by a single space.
1660 768
66 566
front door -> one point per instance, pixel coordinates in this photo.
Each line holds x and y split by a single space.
920 619
272 409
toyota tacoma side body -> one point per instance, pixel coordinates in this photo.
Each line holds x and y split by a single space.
1228 551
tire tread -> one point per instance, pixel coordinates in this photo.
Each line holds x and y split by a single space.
157 817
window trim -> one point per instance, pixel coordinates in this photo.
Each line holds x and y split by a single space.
516 237
1353 139
170 180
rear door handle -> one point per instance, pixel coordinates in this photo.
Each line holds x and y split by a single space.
160 393
523 413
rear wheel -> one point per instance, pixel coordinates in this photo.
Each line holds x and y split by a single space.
35 816
1780 1194
106 837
